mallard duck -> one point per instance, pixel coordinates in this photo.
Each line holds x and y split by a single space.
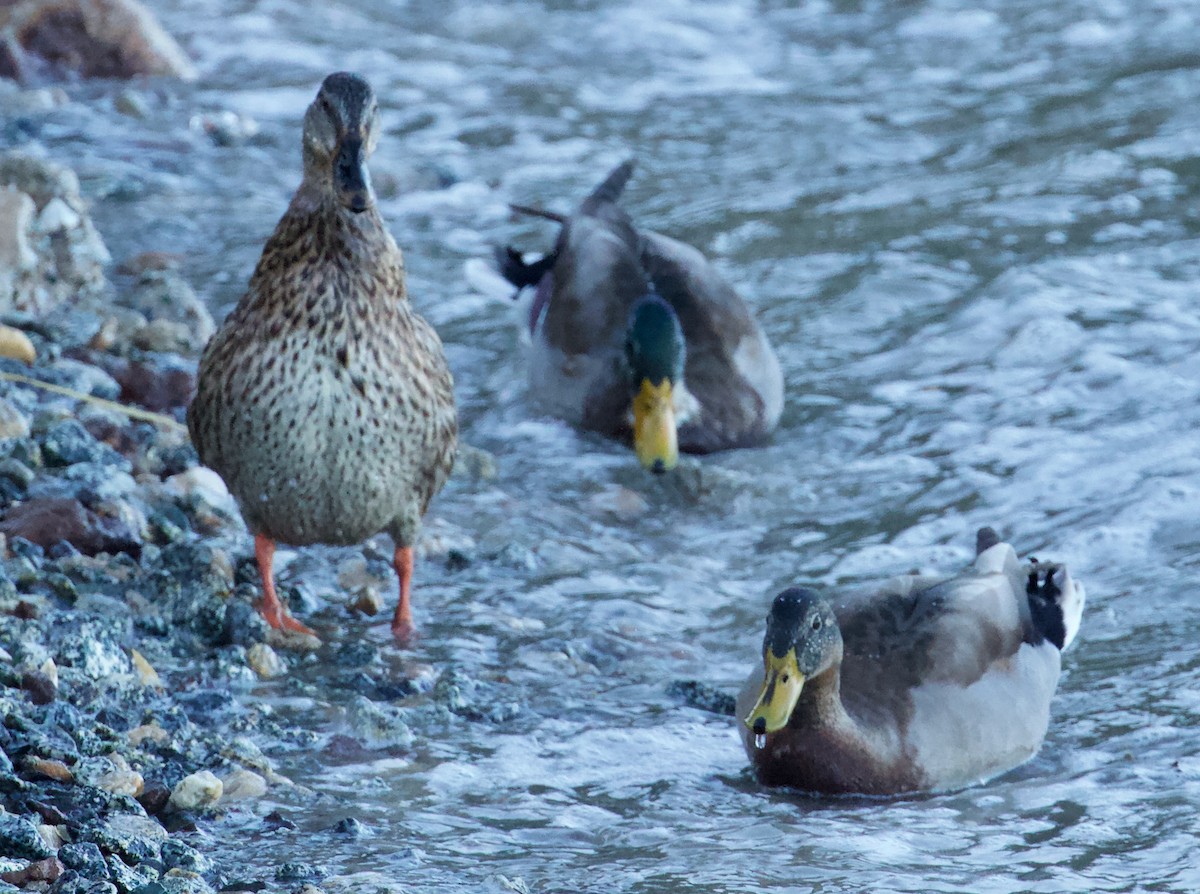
634 333
324 400
924 684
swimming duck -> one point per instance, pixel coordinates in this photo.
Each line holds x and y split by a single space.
924 684
324 400
636 334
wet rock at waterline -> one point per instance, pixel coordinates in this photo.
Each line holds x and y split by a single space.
698 694
49 250
198 791
90 38
65 520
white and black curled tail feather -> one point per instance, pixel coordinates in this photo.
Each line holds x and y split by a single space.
610 189
513 267
1055 602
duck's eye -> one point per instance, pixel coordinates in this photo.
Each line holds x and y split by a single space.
816 624
785 678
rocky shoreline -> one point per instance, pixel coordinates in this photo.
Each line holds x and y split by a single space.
128 631
127 623
106 588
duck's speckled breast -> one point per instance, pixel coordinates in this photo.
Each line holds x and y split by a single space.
325 403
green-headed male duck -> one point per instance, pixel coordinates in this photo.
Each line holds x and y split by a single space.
636 334
324 400
923 684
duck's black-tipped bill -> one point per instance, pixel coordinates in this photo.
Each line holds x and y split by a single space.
655 438
350 175
782 685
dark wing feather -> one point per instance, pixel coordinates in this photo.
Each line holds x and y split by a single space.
919 630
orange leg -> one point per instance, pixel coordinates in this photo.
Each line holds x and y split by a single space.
402 622
272 609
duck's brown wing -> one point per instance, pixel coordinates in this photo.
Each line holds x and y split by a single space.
588 294
731 368
596 279
915 630
950 669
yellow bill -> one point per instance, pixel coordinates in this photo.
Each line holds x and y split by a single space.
654 436
781 690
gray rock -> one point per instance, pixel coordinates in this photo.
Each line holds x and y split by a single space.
73 882
18 260
130 878
13 422
55 253
41 180
99 481
7 593
132 104
132 838
17 212
178 855
85 858
110 772
17 472
701 695
67 442
94 651
176 882
243 624
177 320
469 698
20 838
379 726
351 828
245 752
356 653
81 377
299 872
26 450
89 482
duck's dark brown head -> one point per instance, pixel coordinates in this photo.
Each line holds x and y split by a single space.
341 128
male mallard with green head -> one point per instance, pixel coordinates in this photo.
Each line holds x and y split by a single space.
324 400
636 334
924 684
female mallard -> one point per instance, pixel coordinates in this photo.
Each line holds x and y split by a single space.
637 333
925 684
324 400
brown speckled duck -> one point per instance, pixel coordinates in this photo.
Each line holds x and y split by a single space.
637 335
324 400
922 684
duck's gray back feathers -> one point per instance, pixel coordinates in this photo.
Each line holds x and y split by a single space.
943 683
732 389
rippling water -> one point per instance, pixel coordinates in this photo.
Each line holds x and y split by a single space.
970 230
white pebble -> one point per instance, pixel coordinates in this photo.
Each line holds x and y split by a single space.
196 792
265 661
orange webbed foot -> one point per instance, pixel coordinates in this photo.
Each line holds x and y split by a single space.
274 612
405 633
